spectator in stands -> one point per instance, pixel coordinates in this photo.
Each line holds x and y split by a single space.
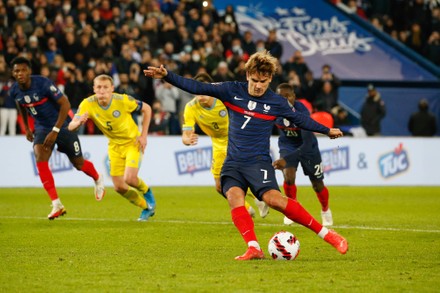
310 87
248 44
272 45
372 112
229 16
222 73
328 76
432 49
297 63
8 109
169 97
325 99
160 120
422 123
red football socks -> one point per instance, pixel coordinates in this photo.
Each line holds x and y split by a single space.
90 170
290 190
323 198
243 221
46 178
297 213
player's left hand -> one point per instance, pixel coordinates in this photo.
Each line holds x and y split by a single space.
279 164
335 133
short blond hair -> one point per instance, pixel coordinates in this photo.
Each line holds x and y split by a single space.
104 77
262 62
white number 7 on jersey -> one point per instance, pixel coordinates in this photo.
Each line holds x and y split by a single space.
248 118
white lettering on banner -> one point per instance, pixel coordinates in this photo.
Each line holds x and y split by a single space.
305 33
394 162
195 160
335 159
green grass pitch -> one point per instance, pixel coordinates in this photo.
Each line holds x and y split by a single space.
190 244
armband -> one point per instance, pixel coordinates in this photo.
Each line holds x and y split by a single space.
56 129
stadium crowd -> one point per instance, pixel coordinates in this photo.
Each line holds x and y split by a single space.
72 41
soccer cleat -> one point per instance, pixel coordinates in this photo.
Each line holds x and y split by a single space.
145 215
99 188
251 253
149 198
150 210
56 212
263 208
327 218
251 211
288 221
337 241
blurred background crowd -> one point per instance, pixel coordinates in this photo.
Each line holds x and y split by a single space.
72 41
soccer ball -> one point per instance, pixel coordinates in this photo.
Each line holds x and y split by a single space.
283 246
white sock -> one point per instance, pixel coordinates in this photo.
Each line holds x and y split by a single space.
254 244
323 232
57 203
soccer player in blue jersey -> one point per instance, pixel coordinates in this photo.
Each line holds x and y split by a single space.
300 146
253 108
49 108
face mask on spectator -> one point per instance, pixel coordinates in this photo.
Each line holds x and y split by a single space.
196 57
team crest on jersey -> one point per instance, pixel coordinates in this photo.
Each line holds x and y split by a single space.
222 113
286 122
27 99
252 105
53 88
266 108
116 113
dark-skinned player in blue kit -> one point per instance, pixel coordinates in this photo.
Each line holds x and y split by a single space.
49 107
253 108
300 146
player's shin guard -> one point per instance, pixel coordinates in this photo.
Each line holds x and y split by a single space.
135 198
295 211
90 170
46 178
323 198
290 190
243 221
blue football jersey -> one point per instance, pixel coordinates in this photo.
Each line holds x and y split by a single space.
41 101
293 138
251 119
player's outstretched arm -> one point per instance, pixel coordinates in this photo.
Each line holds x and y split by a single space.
335 133
77 121
155 72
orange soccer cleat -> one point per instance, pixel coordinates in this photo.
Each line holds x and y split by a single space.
251 253
337 241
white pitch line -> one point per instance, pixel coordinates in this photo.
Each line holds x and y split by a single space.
223 223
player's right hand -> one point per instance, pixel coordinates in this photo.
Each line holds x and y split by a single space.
156 72
29 135
279 164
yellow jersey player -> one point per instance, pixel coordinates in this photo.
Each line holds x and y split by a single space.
211 116
112 114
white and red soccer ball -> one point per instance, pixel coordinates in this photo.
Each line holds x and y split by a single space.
283 246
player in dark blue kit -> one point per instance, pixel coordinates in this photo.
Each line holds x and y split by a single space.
49 108
253 108
300 146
